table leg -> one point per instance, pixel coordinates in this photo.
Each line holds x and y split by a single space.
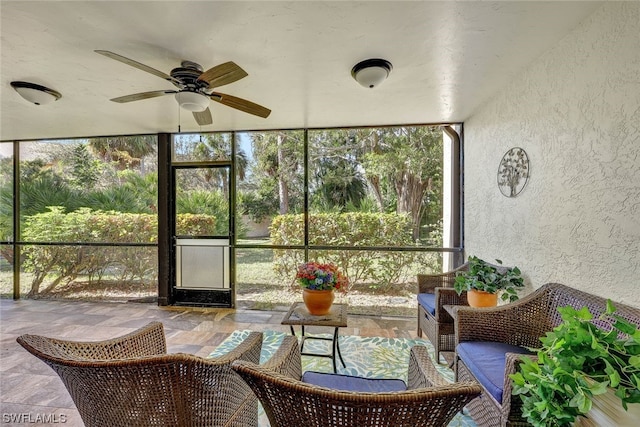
336 348
302 340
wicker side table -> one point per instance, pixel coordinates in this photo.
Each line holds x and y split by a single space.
453 312
337 318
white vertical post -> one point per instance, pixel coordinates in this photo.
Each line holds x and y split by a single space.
447 180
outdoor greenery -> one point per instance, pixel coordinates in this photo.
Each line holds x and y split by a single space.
366 187
385 170
126 264
482 276
276 181
345 230
578 360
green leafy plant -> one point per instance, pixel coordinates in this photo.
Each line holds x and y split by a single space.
579 359
343 230
483 276
63 264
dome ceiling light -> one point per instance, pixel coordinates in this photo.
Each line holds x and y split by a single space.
371 72
192 101
36 94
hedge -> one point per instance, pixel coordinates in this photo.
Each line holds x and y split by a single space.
346 229
123 263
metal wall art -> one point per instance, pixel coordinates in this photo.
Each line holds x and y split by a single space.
513 172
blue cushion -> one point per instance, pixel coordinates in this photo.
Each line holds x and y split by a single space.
486 362
351 383
428 301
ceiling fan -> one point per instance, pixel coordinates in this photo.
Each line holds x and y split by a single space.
195 87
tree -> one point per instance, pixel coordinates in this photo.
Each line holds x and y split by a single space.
398 167
339 183
337 176
126 151
85 170
408 162
41 187
217 146
277 164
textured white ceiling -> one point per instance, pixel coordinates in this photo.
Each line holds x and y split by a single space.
448 58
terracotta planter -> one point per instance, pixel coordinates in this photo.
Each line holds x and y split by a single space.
481 299
318 302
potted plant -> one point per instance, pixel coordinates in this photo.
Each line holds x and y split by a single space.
318 282
578 364
483 282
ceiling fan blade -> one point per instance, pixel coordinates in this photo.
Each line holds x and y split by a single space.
223 74
143 95
138 65
203 117
241 104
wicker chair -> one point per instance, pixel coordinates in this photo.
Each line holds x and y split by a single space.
437 291
515 327
427 401
131 381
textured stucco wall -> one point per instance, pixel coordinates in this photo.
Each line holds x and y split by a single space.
576 111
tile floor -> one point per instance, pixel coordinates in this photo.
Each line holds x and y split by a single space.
31 393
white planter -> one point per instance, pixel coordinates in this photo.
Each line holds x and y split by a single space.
607 410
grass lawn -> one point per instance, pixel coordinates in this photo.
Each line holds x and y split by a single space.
257 287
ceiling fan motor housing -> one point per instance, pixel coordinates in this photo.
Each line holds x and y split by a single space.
188 75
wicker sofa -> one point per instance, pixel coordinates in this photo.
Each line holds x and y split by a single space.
291 398
491 341
132 381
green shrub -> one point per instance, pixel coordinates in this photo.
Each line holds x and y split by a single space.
123 263
199 202
346 230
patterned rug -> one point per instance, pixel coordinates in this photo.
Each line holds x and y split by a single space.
371 357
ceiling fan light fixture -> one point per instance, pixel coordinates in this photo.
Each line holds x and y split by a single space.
192 101
371 72
35 93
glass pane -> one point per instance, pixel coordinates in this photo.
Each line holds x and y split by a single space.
376 186
202 202
265 278
381 282
89 190
270 187
6 192
202 147
6 271
89 272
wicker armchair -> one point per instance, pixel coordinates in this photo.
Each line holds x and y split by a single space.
427 401
131 381
434 292
511 329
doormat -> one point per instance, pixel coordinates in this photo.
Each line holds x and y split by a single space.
370 357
